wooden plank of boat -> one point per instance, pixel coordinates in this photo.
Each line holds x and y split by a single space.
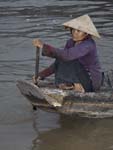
68 101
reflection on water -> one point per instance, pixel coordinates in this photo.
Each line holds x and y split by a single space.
79 133
20 22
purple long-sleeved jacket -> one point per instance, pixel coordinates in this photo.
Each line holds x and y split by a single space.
85 52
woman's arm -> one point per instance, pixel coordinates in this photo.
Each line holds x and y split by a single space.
47 72
75 52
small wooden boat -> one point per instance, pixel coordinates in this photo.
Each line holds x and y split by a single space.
45 96
93 104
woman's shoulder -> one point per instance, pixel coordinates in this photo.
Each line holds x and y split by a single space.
69 43
90 41
70 40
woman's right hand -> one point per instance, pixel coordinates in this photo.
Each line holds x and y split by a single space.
38 43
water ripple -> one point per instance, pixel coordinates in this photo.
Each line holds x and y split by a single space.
27 21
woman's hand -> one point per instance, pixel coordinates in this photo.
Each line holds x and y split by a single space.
36 79
38 43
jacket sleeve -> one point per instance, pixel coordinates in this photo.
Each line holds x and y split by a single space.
47 72
67 54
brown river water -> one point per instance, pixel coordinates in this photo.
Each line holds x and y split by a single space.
20 22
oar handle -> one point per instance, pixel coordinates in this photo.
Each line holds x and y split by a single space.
37 62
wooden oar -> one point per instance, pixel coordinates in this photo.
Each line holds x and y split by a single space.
37 63
49 99
36 69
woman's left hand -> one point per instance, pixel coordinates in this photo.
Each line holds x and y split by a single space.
38 43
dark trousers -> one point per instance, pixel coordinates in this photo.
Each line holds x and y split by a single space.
72 72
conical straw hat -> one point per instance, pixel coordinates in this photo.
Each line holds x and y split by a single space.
83 23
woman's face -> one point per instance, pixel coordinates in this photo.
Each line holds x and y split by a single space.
78 35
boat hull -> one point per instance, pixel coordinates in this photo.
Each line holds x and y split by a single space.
68 102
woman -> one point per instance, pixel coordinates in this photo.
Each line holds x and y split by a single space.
77 65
